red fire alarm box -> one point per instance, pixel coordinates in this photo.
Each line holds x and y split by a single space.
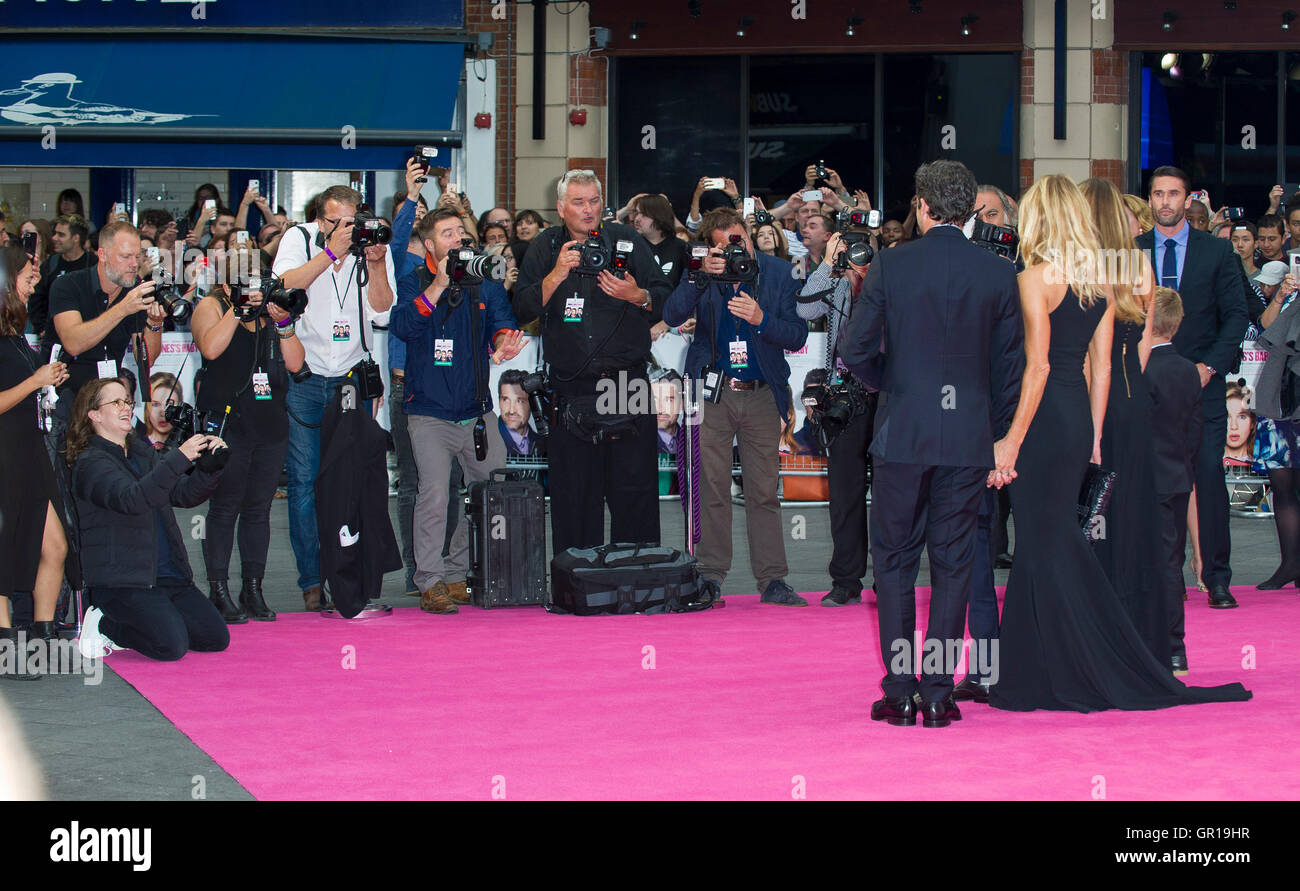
578 117
483 120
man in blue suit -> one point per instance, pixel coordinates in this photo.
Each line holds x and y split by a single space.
938 327
742 331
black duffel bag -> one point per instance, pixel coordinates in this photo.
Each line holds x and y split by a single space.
625 578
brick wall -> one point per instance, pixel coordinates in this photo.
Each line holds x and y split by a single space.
587 80
1111 170
478 19
1109 76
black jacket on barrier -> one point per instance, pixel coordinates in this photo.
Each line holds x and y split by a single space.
116 508
357 544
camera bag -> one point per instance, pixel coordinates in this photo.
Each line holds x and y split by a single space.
507 541
625 578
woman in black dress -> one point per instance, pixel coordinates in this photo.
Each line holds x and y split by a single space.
1066 642
1128 541
33 546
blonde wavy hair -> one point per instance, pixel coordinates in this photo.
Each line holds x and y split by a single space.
1121 260
1056 228
1140 209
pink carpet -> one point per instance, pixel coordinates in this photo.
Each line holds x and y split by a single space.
741 703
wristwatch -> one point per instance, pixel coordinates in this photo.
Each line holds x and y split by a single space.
1211 370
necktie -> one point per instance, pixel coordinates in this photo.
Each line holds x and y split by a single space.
1169 272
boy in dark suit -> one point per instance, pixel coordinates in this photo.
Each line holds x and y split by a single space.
1176 418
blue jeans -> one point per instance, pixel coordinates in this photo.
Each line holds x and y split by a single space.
306 403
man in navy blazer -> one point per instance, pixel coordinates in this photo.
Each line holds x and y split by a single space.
938 325
742 331
1207 276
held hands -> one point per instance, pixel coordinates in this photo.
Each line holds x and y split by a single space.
1005 453
624 288
340 240
745 307
52 375
509 346
413 171
567 261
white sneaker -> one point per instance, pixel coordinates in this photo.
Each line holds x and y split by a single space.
92 643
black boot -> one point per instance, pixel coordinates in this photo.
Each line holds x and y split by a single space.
13 659
251 600
219 594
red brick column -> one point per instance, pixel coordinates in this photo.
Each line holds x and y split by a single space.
1109 87
588 85
1026 101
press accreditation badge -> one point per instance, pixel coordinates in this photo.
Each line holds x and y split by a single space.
739 353
342 330
261 386
107 368
573 309
442 351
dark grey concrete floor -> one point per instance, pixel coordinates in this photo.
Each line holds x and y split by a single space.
107 742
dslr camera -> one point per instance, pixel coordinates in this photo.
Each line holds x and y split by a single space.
857 248
467 266
170 298
762 218
291 300
596 255
187 421
834 406
541 400
368 230
740 266
998 239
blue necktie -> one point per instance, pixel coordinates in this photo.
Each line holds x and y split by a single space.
1169 274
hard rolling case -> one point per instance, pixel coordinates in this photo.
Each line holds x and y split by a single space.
507 541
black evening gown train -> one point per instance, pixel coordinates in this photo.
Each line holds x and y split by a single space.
1129 544
1067 643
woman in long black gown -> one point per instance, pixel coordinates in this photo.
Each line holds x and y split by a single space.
33 546
1067 642
1128 544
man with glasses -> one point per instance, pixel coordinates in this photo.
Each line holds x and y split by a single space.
318 257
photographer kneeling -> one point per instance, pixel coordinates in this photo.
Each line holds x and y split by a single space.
844 410
246 335
133 557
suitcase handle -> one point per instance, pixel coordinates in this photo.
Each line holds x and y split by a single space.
636 552
505 474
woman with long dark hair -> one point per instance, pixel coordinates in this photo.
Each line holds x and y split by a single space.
33 546
69 202
137 572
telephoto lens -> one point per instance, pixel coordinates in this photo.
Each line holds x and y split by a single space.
171 299
368 230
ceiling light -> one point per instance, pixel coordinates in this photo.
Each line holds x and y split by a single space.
1170 18
854 20
1287 18
914 6
695 8
966 22
746 21
636 26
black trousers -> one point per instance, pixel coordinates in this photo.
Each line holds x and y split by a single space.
621 472
846 472
913 505
243 498
1211 493
1173 550
164 622
1000 541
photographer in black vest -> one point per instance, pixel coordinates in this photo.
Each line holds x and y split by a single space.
845 410
249 346
596 339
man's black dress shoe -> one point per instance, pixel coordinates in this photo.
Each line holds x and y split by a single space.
1003 561
841 596
899 712
940 714
1221 598
1178 663
971 689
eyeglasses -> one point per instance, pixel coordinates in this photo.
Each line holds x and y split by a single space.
119 403
170 403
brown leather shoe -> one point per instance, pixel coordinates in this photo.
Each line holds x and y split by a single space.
458 593
437 600
311 599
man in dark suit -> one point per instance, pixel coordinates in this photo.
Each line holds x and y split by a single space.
1206 275
1176 424
939 323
